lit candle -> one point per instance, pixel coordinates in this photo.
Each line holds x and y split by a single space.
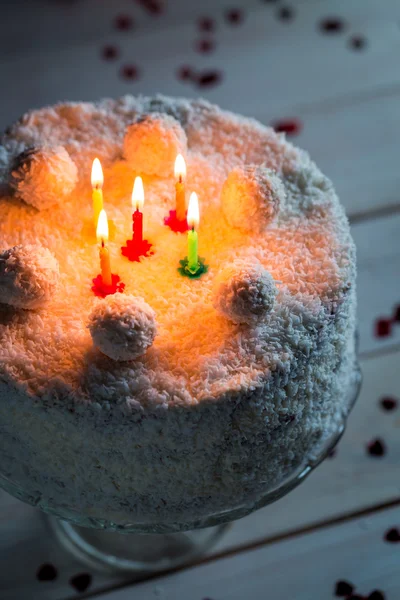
97 185
180 174
102 238
137 216
193 219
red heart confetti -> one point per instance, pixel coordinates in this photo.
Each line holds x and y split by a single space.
81 582
388 403
383 327
206 24
110 52
331 25
205 46
376 595
289 126
235 16
343 588
392 535
209 78
123 22
129 72
357 42
376 448
46 572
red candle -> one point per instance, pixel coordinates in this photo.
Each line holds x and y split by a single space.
137 227
137 216
137 246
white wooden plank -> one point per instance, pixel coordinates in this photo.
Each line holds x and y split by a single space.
341 137
378 285
304 568
357 145
350 482
265 61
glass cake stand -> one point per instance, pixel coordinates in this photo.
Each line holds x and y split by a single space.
137 548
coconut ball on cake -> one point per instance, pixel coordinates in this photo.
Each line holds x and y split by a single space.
244 292
122 326
43 176
251 197
152 143
29 276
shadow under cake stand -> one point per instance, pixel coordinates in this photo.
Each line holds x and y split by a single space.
138 548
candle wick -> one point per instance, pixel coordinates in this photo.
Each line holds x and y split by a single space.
193 228
102 243
180 178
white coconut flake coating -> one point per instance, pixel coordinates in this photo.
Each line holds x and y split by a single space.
122 326
213 414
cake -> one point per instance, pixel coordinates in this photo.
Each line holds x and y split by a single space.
175 398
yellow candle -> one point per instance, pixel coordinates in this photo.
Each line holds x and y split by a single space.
180 174
97 185
193 242
102 237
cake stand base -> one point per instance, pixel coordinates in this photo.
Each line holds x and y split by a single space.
134 552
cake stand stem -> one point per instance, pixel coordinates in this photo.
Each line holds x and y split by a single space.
134 552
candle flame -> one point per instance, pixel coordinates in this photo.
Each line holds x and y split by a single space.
102 228
180 167
138 194
193 215
97 174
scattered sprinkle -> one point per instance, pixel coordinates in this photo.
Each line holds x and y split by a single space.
396 316
383 327
123 22
376 595
358 42
388 403
110 52
376 448
185 73
129 72
46 572
392 535
154 7
205 46
285 13
331 25
289 126
206 24
343 588
235 16
209 78
81 582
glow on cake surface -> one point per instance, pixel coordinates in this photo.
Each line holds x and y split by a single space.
217 409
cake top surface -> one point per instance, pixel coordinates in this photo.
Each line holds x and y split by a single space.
198 354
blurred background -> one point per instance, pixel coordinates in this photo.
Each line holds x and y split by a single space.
327 74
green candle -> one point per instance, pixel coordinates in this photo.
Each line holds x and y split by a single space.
193 255
193 242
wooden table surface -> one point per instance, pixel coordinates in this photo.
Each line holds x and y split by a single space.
336 85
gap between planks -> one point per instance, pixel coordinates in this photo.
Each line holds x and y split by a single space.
267 541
